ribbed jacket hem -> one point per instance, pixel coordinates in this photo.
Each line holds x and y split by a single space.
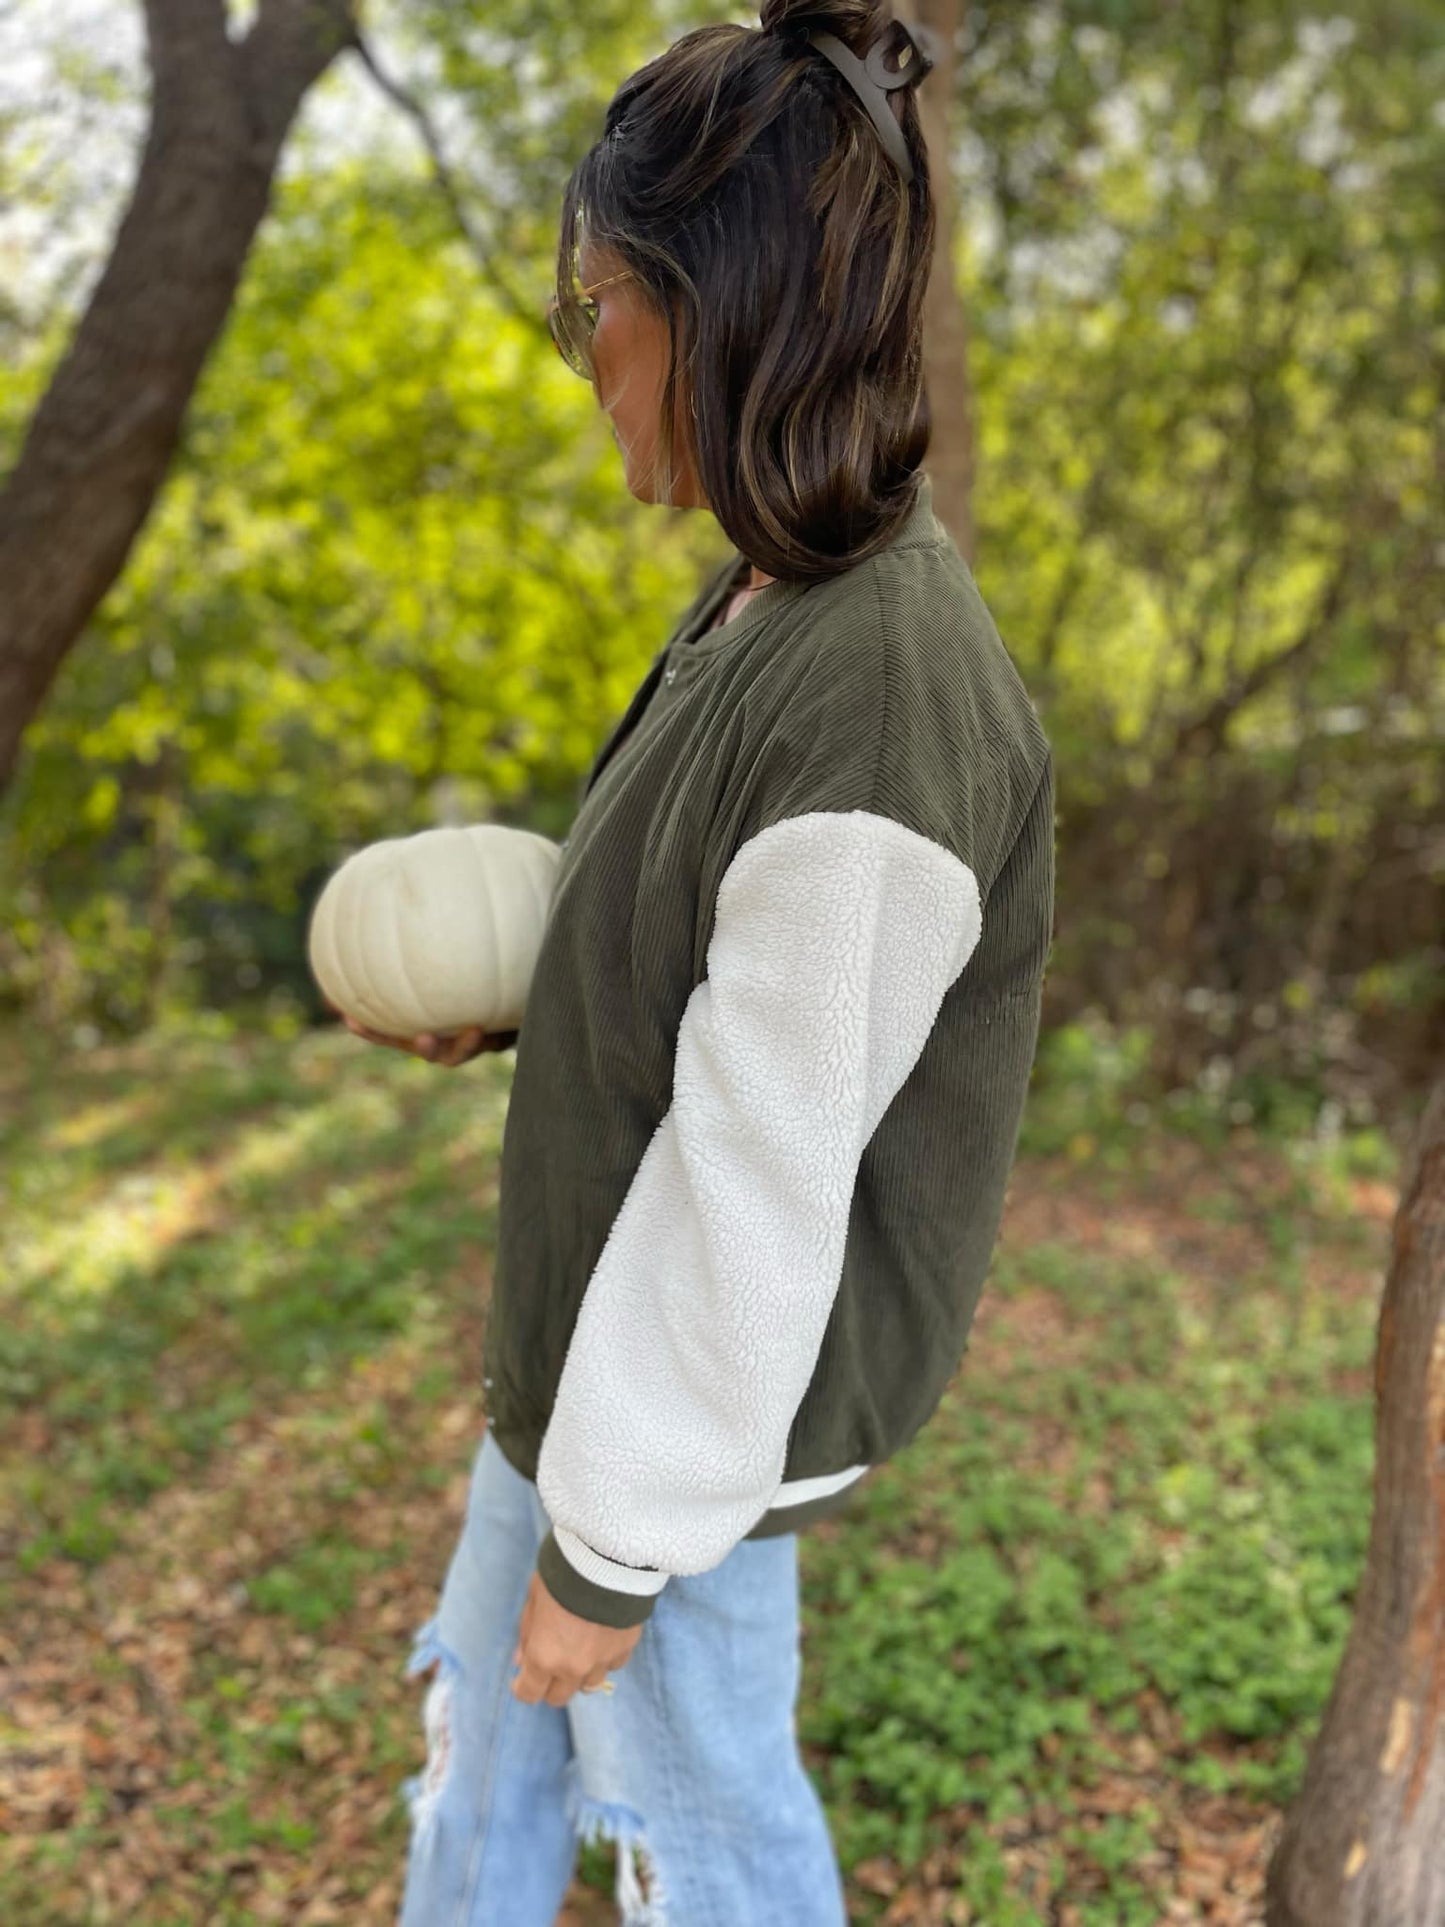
791 1518
587 1593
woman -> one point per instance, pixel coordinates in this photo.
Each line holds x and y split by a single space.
779 1033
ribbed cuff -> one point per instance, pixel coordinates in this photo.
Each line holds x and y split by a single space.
584 1588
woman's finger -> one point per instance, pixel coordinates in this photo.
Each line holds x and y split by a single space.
465 1044
449 1050
380 1037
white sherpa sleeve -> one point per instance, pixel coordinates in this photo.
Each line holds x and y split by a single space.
836 935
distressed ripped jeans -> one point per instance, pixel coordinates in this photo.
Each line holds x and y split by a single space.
690 1765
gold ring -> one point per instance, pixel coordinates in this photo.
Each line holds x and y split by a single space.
606 1687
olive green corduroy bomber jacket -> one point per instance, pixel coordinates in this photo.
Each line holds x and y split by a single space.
771 1071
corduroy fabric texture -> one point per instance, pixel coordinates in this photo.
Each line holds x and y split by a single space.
888 690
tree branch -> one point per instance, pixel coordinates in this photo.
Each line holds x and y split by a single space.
1205 732
484 252
100 442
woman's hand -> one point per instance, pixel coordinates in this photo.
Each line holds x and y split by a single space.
457 1047
557 1654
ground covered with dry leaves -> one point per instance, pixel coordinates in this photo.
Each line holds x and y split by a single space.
1063 1656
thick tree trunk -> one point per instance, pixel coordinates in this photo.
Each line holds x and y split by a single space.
102 438
950 459
1364 1844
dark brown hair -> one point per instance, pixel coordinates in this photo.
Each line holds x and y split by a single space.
741 180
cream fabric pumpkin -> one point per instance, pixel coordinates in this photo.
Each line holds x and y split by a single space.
437 931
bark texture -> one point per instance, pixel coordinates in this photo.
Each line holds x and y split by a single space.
101 440
1364 1844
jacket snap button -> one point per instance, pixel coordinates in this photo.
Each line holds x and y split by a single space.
669 675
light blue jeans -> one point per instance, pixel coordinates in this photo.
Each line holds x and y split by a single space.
691 1764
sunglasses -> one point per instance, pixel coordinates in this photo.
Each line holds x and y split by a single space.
572 322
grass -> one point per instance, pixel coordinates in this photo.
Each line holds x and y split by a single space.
1064 1655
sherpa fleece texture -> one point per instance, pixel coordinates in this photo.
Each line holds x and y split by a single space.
837 934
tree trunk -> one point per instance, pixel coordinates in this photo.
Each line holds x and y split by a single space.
950 459
102 437
1364 1844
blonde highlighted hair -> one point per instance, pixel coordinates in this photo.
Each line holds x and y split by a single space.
743 184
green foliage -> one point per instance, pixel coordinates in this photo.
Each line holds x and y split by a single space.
310 1262
1163 1507
1083 1079
1220 1574
313 1588
395 574
1096 1095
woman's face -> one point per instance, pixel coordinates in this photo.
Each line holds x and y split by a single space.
629 359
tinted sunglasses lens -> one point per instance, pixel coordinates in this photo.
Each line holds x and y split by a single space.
571 327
